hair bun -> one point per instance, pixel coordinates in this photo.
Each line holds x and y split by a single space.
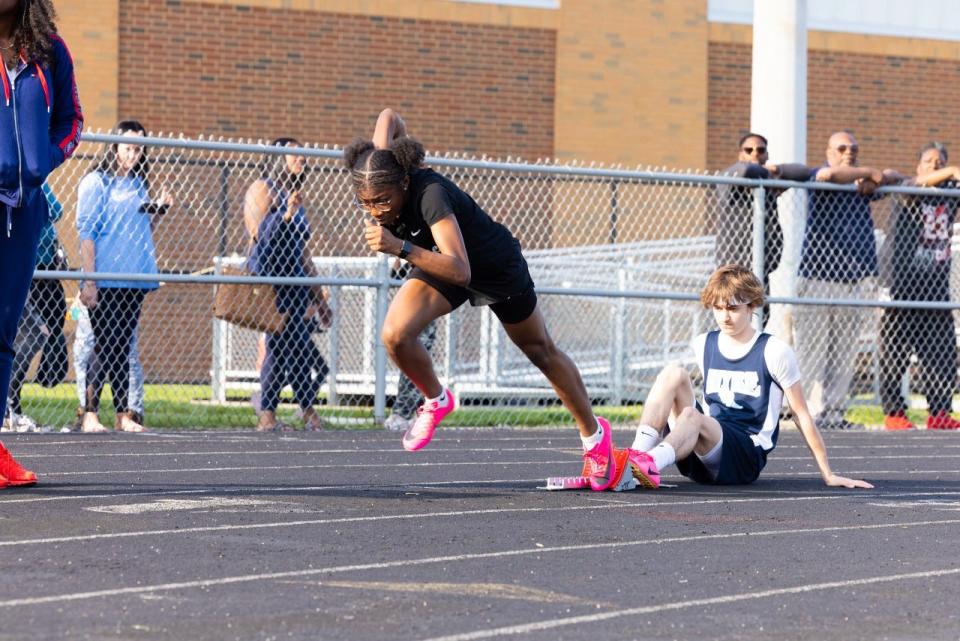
353 151
408 152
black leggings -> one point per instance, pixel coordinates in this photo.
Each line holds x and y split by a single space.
114 321
292 359
929 334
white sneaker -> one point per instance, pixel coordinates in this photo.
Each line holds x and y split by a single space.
396 423
27 424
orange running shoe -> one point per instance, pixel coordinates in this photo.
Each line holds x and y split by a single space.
12 472
942 421
896 422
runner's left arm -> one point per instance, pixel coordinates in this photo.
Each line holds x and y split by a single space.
811 435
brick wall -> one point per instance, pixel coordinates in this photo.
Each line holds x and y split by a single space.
892 104
255 72
90 31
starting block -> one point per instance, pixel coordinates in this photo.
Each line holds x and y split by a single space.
582 482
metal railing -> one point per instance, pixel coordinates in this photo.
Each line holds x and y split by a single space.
618 257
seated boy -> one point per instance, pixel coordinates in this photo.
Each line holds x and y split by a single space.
746 374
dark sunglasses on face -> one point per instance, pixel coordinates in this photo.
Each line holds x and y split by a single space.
843 149
749 150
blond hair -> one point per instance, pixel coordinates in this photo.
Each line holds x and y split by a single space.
732 283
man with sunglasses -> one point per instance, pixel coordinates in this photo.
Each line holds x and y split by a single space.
733 209
839 262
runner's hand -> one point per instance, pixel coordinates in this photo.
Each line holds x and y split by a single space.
381 239
835 480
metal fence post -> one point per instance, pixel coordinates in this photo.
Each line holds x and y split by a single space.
450 347
759 241
218 376
334 355
618 349
380 351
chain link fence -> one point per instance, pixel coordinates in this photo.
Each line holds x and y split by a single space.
618 258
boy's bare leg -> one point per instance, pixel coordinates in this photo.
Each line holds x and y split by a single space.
671 393
693 432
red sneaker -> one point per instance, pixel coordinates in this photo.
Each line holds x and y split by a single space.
12 472
896 422
3 482
942 421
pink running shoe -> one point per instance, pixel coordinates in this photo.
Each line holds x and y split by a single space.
599 464
428 418
644 469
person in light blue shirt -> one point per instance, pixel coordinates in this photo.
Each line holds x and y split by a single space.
114 222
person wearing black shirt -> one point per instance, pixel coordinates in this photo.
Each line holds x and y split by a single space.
458 253
733 210
915 263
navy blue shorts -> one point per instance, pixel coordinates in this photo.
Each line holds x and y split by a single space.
740 461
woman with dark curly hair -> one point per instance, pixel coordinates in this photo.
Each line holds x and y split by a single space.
458 253
40 123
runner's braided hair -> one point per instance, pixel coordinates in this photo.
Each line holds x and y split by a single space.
36 22
371 167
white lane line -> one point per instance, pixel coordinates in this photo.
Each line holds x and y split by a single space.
869 457
247 488
427 515
321 466
396 450
428 464
392 450
538 626
247 578
175 505
374 438
871 473
399 517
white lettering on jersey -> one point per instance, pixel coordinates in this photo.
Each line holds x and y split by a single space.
726 383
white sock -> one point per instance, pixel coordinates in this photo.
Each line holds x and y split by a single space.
442 399
663 455
589 442
646 438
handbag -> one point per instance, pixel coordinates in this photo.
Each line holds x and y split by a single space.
248 305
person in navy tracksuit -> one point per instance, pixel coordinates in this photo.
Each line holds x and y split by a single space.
40 124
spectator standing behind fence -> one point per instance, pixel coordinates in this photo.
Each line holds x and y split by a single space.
275 216
41 324
40 124
839 261
114 221
408 396
83 345
916 266
733 209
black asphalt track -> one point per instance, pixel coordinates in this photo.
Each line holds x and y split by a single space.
343 535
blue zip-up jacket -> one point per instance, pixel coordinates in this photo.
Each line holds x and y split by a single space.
42 108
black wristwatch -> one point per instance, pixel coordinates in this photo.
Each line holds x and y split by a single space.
405 249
